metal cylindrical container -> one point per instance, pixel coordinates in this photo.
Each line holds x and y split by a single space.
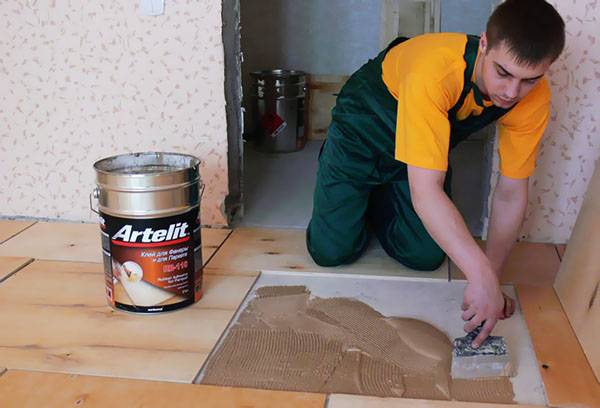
279 110
149 207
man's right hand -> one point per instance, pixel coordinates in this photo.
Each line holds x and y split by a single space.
482 301
444 223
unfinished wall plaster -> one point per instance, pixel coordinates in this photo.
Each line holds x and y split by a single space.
81 80
571 146
286 340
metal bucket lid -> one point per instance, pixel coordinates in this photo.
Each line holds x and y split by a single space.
149 171
278 73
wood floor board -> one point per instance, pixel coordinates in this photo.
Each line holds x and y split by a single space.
10 264
578 281
567 375
25 389
250 250
9 229
561 248
528 263
81 242
55 318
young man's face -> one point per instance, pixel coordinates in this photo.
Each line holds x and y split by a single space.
501 79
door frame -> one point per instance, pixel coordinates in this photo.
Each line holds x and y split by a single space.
390 21
234 202
233 59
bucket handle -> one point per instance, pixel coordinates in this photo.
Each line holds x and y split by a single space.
94 195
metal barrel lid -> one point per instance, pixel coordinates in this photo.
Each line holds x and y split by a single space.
148 171
279 74
278 84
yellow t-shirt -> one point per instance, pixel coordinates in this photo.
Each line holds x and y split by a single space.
426 75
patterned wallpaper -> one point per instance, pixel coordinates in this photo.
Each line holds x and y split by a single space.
81 80
571 146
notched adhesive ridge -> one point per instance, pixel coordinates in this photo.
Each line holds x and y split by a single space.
286 340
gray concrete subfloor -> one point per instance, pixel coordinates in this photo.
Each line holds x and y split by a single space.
278 187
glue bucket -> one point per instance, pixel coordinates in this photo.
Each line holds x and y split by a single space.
148 205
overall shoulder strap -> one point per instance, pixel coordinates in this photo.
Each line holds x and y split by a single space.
470 57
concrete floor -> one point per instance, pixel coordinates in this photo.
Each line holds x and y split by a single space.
278 188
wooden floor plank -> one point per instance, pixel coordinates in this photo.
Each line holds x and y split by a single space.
578 281
81 242
55 318
357 401
26 389
249 250
567 376
9 229
212 239
529 263
224 292
57 241
561 248
10 264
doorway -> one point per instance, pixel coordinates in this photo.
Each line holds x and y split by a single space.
327 39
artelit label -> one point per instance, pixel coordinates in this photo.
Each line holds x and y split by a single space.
152 265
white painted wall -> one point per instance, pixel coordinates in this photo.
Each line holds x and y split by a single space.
322 37
465 16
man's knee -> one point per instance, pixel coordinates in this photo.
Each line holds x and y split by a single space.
416 254
428 259
325 252
323 259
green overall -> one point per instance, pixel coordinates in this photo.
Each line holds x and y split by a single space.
359 179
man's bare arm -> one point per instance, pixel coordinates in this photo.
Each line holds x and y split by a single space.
447 227
508 211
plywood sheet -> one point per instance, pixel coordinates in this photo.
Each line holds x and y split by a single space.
224 291
212 239
322 95
56 241
568 378
578 280
431 300
38 389
10 264
248 250
528 263
55 318
356 401
81 242
561 248
8 229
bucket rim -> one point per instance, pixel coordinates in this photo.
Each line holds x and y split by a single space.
278 73
195 162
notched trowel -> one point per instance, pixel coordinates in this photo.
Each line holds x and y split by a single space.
491 359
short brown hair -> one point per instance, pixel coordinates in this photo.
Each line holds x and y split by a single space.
532 30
